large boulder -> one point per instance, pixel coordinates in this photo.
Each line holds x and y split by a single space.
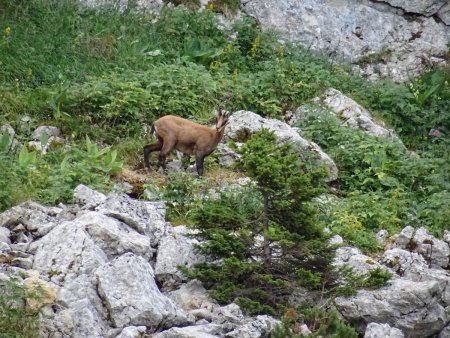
66 252
412 266
175 249
132 297
354 115
147 218
412 306
348 257
242 124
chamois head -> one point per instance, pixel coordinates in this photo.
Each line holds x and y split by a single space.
190 138
222 120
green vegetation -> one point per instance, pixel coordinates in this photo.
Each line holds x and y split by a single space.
383 185
16 319
323 323
271 244
100 76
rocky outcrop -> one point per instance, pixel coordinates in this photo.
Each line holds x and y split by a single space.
354 115
414 302
242 124
98 265
435 251
375 330
107 267
378 35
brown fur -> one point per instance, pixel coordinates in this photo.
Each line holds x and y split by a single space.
190 138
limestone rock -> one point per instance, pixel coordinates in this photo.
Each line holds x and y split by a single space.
192 295
198 331
132 297
87 198
375 330
45 292
175 249
435 251
66 252
413 307
351 30
37 219
132 332
48 130
145 217
412 266
260 327
425 7
113 236
227 157
242 124
444 14
382 236
13 145
354 115
353 258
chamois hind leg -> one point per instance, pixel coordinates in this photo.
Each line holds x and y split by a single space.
199 164
150 148
167 147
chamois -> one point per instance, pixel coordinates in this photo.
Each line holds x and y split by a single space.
188 137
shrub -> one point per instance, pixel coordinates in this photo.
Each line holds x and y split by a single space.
270 243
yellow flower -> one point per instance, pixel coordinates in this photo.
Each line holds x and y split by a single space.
30 72
7 30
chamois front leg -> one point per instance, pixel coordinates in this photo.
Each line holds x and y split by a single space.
199 159
148 149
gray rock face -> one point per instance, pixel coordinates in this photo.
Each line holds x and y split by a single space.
353 258
37 219
435 251
132 332
87 198
197 331
13 144
444 14
425 7
375 330
175 249
413 307
354 115
67 252
49 130
260 327
145 217
114 237
413 267
129 290
227 157
353 30
52 133
242 124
